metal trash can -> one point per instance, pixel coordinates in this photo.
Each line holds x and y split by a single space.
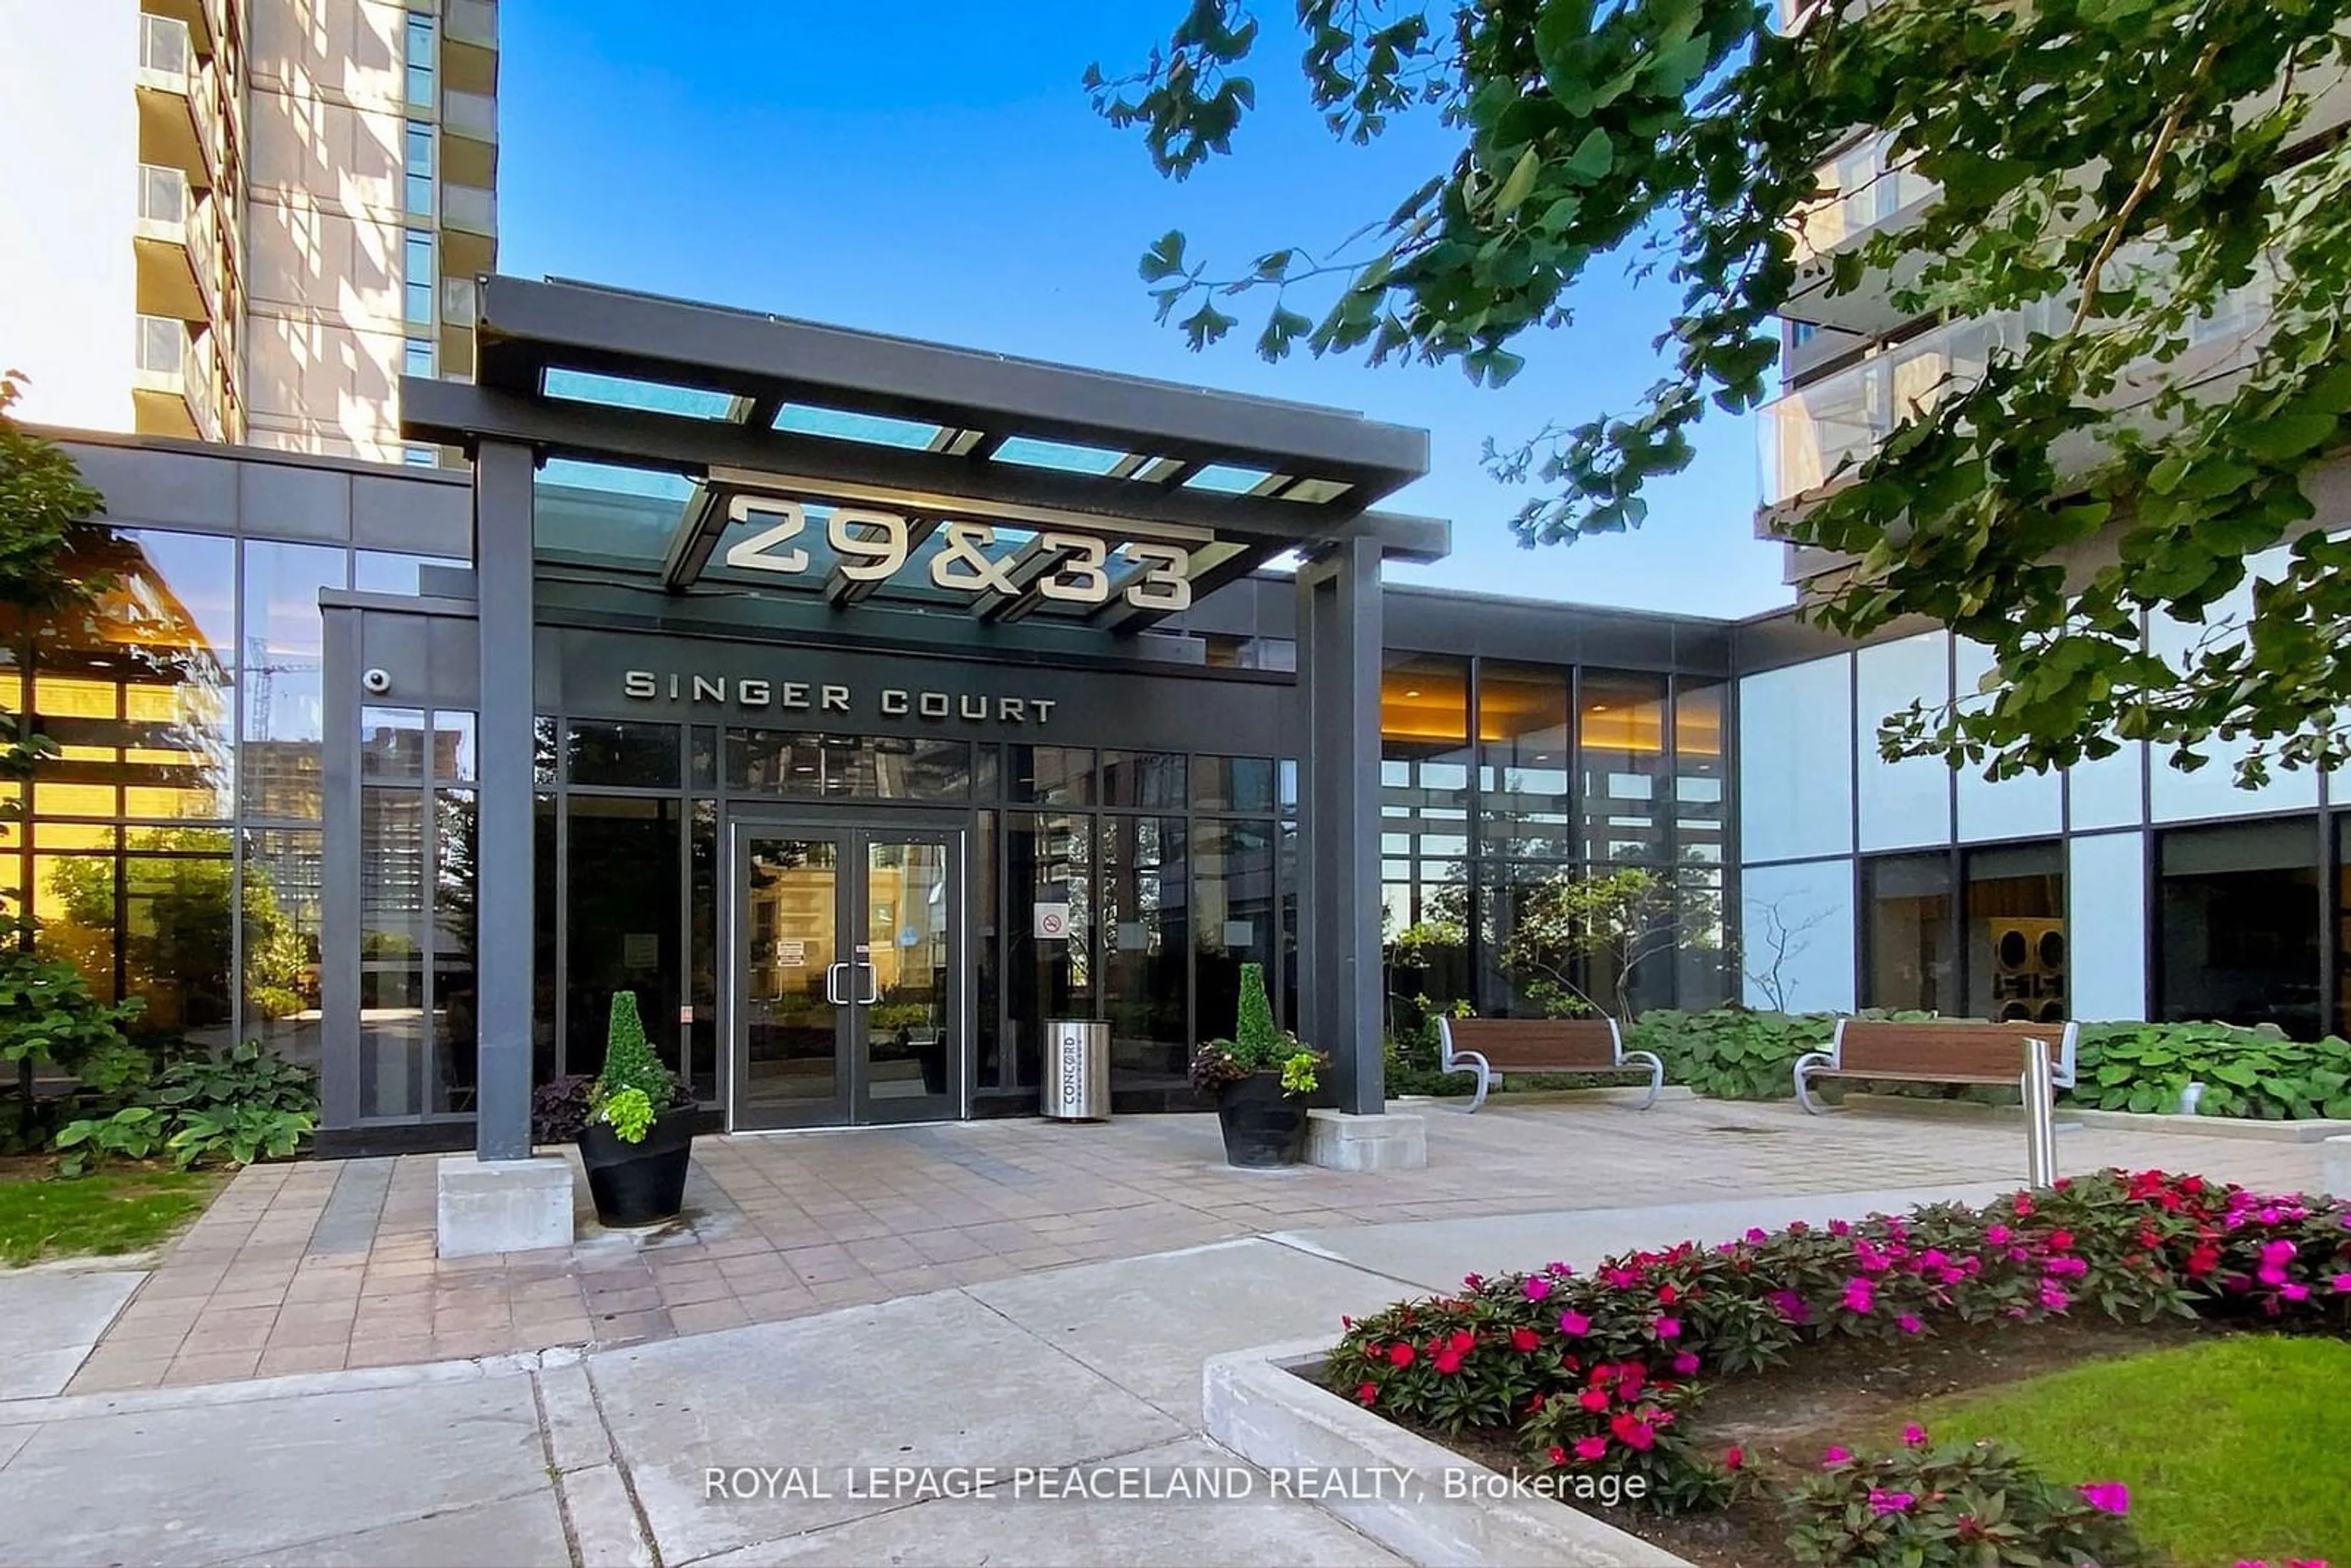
1077 1071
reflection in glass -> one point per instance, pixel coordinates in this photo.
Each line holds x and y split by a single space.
1235 784
453 745
988 957
394 929
1906 933
392 743
1621 737
456 1034
842 767
902 977
1425 761
285 879
544 872
135 686
1701 771
1522 733
701 965
285 640
791 1068
2237 925
1048 859
626 756
1051 775
2017 959
620 880
74 898
1143 778
1233 915
1144 950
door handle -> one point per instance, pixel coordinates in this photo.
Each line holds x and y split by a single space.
833 984
874 978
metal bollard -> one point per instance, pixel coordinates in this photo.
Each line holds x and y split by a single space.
2039 1115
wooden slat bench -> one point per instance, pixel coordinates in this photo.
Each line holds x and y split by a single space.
1491 1047
1943 1051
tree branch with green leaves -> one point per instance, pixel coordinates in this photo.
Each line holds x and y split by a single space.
2110 179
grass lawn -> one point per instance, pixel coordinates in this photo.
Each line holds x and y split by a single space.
2233 1448
113 1211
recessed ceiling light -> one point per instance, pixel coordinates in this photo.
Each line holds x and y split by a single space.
1599 707
1413 692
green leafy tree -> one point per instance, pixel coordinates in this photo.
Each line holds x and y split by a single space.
1577 939
2113 173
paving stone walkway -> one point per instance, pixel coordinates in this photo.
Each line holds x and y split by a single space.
327 1265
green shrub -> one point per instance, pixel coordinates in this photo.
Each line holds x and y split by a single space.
1731 1053
634 1087
242 1106
1951 1506
1258 1045
2245 1073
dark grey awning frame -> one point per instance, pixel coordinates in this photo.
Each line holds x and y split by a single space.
1334 465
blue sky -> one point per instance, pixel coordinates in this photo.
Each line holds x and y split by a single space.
933 169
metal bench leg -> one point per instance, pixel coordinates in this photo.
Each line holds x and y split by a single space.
1804 1066
1657 1074
1470 1060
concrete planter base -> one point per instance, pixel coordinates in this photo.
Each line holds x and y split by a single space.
1254 1402
1339 1142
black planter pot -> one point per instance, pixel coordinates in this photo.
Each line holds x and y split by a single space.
933 1056
1262 1126
640 1183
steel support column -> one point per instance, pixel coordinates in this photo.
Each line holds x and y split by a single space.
1339 635
502 569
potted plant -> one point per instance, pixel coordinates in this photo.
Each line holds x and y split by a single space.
638 1138
1260 1077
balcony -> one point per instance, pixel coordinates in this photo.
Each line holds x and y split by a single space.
1866 194
1811 434
469 230
171 388
469 140
469 46
167 237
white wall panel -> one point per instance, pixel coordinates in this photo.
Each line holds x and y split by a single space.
2105 925
1907 803
2030 805
1795 761
1813 903
2211 790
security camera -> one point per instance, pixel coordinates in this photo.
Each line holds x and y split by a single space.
376 682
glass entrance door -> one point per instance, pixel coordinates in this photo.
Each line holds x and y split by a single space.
847 976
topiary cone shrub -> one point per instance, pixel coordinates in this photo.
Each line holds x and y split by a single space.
628 1059
1254 1030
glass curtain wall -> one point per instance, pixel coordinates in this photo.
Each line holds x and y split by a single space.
2237 918
171 850
1573 775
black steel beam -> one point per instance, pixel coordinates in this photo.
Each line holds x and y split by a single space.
458 413
842 590
1234 562
522 326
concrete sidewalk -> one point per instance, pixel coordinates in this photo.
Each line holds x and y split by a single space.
596 1458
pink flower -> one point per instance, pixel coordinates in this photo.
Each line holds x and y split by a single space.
1669 1328
1908 1324
1633 1432
1536 1287
2342 1284
2107 1496
1998 1235
1914 1435
1835 1457
1757 1233
1367 1391
1839 1228
1859 1295
1574 1325
1790 1305
1448 1360
1885 1502
1684 1364
2055 1300
1591 1447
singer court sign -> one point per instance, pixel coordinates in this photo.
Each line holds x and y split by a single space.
873 546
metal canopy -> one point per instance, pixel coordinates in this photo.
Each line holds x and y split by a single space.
863 441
